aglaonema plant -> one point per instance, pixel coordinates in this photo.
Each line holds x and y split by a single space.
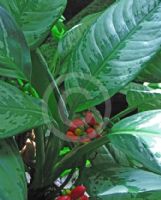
116 50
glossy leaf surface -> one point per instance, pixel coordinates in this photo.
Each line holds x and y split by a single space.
19 112
46 87
139 138
120 183
15 59
113 51
145 99
73 36
13 181
35 17
134 86
152 72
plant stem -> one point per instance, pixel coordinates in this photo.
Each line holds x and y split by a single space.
54 62
57 108
122 114
40 158
60 79
81 169
76 155
52 154
47 88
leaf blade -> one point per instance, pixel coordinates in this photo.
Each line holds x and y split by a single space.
113 51
144 99
138 138
19 112
15 58
13 181
121 183
35 17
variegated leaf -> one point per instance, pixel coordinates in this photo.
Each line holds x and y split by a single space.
15 58
20 112
144 99
113 51
35 17
13 183
121 183
139 138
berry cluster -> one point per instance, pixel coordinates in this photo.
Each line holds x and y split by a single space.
83 130
78 193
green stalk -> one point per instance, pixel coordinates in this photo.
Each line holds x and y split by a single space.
55 103
45 82
54 63
40 159
76 155
81 170
122 114
52 155
60 79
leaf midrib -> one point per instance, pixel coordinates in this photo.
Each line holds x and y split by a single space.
133 30
133 132
118 46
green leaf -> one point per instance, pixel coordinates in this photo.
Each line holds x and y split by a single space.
64 151
46 87
72 158
153 85
104 182
119 157
35 17
152 72
70 41
139 138
59 29
73 36
102 156
15 59
134 86
13 181
19 112
113 51
144 99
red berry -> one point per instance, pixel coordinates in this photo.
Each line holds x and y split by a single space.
77 123
70 135
63 198
91 133
85 140
84 197
90 119
77 192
